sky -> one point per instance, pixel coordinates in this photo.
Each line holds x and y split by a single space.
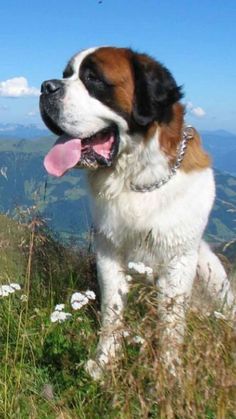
194 39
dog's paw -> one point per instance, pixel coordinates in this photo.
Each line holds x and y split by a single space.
94 370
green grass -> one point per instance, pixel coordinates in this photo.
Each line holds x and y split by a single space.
13 239
42 371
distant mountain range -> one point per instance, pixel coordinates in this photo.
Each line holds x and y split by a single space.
64 202
222 147
220 144
22 131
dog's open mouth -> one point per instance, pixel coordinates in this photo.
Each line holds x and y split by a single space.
92 152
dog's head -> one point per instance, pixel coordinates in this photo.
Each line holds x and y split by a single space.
106 95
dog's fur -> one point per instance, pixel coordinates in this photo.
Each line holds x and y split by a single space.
163 228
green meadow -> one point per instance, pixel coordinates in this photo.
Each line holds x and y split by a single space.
42 372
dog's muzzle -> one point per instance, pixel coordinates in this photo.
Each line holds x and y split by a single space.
52 91
52 87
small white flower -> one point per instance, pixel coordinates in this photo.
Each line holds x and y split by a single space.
8 289
54 316
59 307
90 295
16 287
76 305
24 298
78 300
5 290
219 315
77 296
128 278
138 339
59 316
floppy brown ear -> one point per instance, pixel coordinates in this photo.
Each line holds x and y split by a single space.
155 91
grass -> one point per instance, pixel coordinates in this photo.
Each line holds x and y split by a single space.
42 371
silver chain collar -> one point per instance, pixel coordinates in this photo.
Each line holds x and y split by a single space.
188 134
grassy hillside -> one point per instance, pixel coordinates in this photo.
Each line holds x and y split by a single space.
13 242
222 223
24 183
42 371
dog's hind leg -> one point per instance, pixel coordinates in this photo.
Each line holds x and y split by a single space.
211 271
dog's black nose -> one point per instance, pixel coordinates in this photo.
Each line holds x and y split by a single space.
51 86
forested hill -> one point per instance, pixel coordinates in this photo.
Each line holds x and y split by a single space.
64 202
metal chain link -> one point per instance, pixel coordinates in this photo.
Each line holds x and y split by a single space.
188 134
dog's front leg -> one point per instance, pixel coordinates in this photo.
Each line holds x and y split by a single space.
174 292
114 289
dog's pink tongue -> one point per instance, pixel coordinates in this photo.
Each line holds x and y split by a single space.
62 157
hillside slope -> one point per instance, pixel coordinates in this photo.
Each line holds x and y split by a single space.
13 239
64 202
221 145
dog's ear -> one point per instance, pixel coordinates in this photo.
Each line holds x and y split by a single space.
155 91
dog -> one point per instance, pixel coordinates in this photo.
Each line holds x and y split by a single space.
118 114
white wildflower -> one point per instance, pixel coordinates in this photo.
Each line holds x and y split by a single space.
24 298
140 268
59 307
129 278
90 295
8 289
54 316
59 316
15 286
219 315
78 300
5 290
78 304
138 339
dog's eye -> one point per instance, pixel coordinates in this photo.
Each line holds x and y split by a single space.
92 77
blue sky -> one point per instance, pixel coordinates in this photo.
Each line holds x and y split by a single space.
194 39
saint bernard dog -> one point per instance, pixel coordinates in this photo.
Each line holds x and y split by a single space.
118 114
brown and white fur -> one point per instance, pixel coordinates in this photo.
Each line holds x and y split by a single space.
163 228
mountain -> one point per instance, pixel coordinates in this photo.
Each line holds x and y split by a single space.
22 131
64 203
222 223
221 145
25 186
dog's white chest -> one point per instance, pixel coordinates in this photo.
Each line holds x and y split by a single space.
159 223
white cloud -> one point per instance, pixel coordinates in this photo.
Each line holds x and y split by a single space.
32 113
195 110
17 87
198 111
